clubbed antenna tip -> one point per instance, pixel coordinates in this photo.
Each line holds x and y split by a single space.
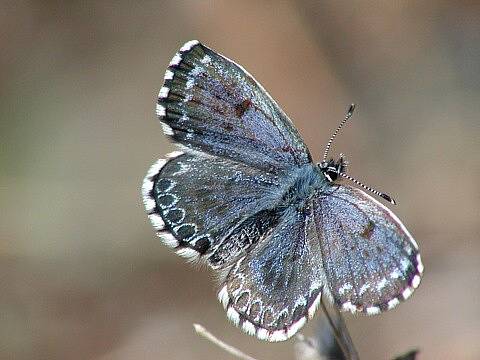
388 198
351 109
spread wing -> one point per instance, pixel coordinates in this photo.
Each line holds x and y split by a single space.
276 287
210 104
200 204
370 259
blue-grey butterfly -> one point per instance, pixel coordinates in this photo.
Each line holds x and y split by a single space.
243 195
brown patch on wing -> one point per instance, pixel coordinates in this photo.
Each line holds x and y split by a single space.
368 230
227 126
242 107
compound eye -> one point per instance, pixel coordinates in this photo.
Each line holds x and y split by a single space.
331 174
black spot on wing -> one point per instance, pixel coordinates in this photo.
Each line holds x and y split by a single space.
202 245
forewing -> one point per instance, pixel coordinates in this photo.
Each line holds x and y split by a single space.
273 290
370 259
211 104
195 200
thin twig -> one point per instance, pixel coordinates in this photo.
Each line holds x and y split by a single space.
228 348
341 334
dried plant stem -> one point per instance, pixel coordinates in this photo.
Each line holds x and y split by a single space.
230 349
341 334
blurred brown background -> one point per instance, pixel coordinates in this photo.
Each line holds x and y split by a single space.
82 274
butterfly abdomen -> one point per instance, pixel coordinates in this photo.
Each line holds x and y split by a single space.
249 232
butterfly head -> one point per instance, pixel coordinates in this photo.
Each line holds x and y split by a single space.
333 169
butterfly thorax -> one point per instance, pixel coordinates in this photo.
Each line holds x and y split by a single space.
304 183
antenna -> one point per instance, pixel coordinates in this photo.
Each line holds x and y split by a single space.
348 116
332 169
378 193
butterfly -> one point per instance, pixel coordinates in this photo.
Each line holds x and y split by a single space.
243 195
